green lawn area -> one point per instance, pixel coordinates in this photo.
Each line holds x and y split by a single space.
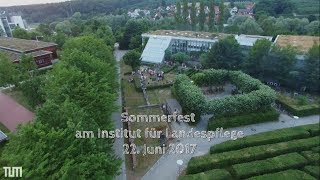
133 99
17 95
159 96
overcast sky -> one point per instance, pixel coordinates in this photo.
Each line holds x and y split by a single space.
24 2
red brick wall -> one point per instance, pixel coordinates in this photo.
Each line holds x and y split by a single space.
43 61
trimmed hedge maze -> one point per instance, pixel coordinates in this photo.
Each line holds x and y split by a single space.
255 95
263 156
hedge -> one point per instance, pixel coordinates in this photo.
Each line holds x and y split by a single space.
221 160
275 136
313 170
267 115
285 175
313 157
258 96
306 110
216 174
271 165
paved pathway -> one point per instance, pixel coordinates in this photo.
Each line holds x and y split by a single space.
166 167
12 114
118 144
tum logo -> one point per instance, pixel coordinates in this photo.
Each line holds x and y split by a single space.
12 171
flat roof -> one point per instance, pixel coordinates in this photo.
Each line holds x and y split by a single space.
188 34
40 53
23 45
302 43
249 40
155 49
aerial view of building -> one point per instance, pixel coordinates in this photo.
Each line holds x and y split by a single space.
160 89
187 41
44 53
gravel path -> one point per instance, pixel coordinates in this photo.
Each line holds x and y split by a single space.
118 144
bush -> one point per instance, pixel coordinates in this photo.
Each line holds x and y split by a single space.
275 164
313 157
221 160
252 118
298 110
284 175
259 96
313 170
216 174
275 136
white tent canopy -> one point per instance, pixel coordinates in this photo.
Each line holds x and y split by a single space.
155 49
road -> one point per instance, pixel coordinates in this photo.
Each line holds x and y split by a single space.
118 144
166 167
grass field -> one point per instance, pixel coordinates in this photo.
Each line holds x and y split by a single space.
291 153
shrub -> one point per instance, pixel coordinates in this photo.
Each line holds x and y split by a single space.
313 170
275 164
284 175
216 174
275 136
298 110
241 120
220 160
313 157
259 96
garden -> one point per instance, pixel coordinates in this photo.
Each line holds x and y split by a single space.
299 105
251 100
291 153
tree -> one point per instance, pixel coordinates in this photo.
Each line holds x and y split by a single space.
274 7
202 16
280 62
225 54
133 28
185 12
313 28
180 57
44 29
27 65
253 63
232 3
221 16
193 15
20 33
32 90
211 16
163 3
250 27
178 16
9 74
312 68
132 58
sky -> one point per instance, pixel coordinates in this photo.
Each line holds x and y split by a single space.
25 2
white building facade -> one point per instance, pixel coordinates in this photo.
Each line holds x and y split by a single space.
186 41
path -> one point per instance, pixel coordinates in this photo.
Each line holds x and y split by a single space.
166 167
118 144
12 114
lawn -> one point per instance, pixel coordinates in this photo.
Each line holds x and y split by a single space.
159 96
132 99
